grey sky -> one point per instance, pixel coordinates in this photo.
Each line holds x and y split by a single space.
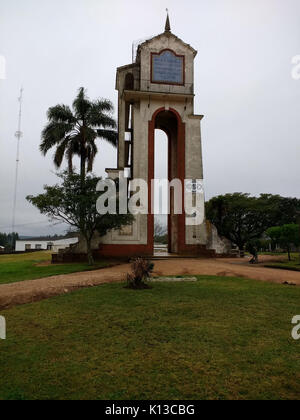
243 85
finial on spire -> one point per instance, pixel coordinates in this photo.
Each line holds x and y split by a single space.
168 26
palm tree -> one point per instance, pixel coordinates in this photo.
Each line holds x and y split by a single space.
74 132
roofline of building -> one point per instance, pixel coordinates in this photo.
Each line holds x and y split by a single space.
45 239
169 34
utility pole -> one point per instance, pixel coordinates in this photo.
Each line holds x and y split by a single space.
18 136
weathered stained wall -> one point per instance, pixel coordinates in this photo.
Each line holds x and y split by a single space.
146 98
144 107
156 45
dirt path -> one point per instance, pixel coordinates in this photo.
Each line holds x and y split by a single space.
35 290
228 268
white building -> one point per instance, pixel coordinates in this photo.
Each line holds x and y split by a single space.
36 244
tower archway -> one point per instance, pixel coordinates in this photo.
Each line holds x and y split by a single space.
162 98
160 198
171 123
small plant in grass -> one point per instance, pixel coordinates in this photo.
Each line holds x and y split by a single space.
141 273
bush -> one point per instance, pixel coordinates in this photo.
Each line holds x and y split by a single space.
141 272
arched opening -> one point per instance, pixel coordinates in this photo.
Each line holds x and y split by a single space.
161 159
170 123
129 82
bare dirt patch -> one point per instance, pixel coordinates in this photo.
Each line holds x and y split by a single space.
35 290
45 264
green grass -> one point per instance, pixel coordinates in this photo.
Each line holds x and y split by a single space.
279 254
273 253
293 265
15 268
214 339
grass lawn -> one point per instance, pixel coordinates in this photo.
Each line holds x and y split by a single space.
293 265
273 254
15 268
214 339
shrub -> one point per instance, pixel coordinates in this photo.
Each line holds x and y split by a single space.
141 272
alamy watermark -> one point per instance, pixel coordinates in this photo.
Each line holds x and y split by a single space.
296 329
2 328
296 67
2 67
133 197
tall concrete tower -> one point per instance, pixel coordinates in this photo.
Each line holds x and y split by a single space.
157 92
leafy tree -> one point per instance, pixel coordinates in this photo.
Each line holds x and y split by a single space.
68 203
74 132
238 217
281 210
243 219
274 234
8 241
285 236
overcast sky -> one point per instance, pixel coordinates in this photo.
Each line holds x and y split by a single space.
243 86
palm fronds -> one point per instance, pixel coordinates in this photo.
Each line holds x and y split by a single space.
74 131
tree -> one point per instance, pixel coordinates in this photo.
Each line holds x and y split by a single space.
243 219
74 132
274 234
238 217
68 203
9 240
159 229
281 210
160 234
285 236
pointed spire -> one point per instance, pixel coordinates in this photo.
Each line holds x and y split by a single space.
168 26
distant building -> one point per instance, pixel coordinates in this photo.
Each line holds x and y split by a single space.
2 249
44 245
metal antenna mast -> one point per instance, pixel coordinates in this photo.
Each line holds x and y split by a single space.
18 135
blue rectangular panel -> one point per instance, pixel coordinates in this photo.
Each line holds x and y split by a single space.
167 68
